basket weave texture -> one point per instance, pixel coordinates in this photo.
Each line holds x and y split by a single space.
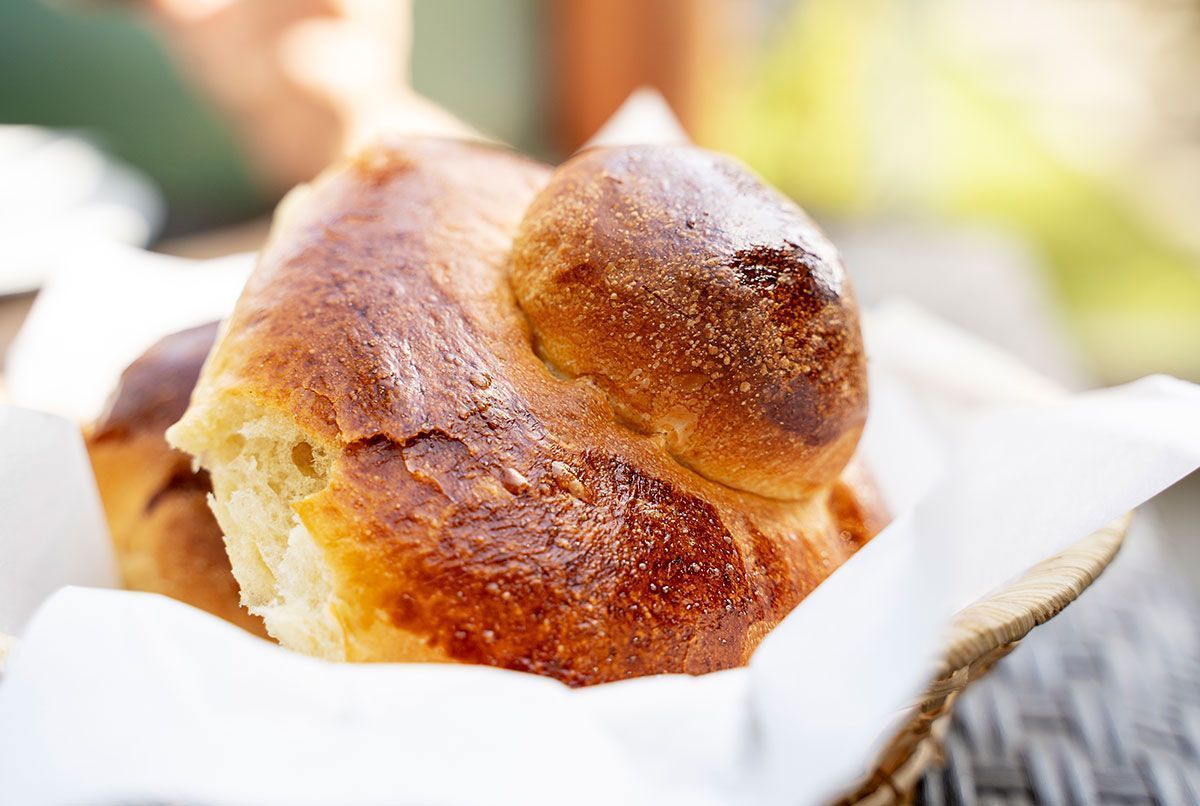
980 635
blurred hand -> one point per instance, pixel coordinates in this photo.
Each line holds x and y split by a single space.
302 81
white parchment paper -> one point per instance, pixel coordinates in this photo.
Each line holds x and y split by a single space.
52 531
101 306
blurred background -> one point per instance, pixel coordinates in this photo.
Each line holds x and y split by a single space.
1027 169
962 138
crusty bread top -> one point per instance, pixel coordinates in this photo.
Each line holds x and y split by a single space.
707 304
477 502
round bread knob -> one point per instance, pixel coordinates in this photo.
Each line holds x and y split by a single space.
708 307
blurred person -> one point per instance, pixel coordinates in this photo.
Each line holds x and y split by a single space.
302 81
224 103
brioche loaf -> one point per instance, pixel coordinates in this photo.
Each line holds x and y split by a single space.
589 423
164 535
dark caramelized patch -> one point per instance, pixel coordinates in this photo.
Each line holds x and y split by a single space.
582 272
766 266
794 281
647 578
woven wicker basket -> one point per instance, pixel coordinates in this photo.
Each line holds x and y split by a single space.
980 635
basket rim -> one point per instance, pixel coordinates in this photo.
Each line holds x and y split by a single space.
1038 595
988 628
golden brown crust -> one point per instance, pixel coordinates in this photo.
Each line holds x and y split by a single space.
479 508
165 536
707 304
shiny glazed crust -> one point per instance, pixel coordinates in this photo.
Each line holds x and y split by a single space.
707 304
401 477
165 537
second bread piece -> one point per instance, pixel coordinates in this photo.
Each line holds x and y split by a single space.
164 535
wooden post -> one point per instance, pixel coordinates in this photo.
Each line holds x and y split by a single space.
602 50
